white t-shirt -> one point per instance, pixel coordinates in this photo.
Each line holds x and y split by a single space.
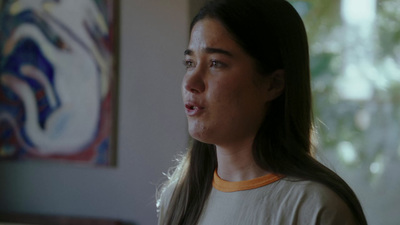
270 199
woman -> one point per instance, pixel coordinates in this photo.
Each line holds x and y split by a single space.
247 97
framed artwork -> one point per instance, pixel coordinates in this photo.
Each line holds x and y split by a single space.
58 80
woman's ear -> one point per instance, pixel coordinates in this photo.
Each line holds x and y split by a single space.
275 84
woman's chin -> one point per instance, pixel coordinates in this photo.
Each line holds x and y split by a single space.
200 136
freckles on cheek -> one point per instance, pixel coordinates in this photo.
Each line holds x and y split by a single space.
233 100
224 92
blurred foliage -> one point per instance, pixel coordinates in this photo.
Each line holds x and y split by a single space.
320 17
367 129
388 28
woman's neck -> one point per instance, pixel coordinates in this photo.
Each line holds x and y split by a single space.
237 164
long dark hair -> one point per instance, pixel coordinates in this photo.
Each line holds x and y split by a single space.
273 34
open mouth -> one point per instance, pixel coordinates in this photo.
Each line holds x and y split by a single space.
193 109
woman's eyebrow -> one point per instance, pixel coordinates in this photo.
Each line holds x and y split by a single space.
210 51
218 50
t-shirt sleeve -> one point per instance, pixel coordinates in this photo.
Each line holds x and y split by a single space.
319 205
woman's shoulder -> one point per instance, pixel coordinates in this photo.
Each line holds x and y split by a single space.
307 192
316 200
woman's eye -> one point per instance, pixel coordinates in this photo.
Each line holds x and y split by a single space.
217 64
188 64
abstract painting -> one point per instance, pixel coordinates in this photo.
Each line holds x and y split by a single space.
58 80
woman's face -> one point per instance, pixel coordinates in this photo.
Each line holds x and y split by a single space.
225 97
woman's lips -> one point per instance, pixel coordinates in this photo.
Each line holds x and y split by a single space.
193 110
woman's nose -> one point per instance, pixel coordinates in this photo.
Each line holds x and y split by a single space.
193 81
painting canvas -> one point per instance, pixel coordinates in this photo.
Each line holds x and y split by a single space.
58 80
